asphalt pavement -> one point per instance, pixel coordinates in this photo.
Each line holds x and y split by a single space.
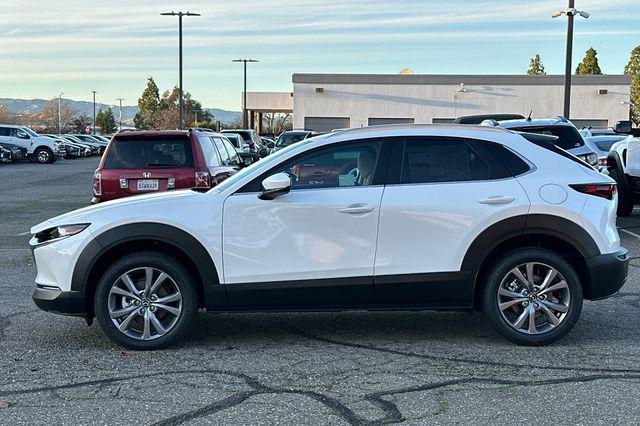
302 368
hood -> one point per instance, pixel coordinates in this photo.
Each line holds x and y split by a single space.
84 214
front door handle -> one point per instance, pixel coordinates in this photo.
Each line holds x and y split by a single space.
357 208
498 199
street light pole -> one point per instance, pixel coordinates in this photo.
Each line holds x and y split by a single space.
180 15
244 93
59 115
120 118
94 112
571 12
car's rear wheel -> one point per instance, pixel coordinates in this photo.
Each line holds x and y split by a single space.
532 297
145 300
625 195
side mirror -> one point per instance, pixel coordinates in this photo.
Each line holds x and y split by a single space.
270 145
623 126
21 135
275 186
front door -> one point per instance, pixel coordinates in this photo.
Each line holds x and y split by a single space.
315 246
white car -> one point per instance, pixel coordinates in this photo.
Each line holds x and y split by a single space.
39 148
623 165
396 217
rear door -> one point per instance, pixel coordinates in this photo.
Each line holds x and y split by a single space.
443 193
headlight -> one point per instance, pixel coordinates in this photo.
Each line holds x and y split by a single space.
60 232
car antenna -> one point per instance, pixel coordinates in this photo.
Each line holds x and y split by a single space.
529 117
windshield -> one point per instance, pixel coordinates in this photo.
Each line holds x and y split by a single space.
264 163
605 144
30 132
143 153
289 138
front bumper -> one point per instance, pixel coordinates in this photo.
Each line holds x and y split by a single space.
53 299
608 273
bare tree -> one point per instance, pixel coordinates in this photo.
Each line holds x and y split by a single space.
48 116
276 123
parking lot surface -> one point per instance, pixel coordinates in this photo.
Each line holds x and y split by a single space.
304 368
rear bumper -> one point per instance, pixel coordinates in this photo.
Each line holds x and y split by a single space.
608 273
53 299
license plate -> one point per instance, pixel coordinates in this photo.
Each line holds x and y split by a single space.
148 185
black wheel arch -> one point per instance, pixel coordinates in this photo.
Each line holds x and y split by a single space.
117 242
554 233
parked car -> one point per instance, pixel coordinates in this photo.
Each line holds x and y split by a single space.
141 162
92 140
96 147
601 145
623 165
251 138
504 222
72 149
290 137
102 138
568 136
16 153
268 142
237 141
6 156
39 148
477 119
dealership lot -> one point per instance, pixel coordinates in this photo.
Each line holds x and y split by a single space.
264 368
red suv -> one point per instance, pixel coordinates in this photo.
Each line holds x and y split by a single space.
148 161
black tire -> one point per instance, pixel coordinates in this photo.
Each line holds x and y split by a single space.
500 271
164 263
625 195
43 155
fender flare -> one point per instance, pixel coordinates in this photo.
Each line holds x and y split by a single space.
206 270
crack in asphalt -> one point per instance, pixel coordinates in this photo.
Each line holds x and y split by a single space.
459 360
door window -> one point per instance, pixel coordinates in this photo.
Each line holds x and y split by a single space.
4 131
233 154
210 152
334 166
224 155
429 161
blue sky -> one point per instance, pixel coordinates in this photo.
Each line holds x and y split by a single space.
112 46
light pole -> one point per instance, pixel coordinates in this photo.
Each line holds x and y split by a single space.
571 12
93 132
120 118
180 15
244 93
59 115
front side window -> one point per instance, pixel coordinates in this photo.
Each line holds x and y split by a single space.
335 166
431 161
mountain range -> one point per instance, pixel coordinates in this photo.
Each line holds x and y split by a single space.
32 106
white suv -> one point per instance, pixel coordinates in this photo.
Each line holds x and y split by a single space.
39 148
395 217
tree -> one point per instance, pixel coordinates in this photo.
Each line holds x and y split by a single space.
106 122
276 123
48 116
536 67
589 65
148 105
79 124
633 69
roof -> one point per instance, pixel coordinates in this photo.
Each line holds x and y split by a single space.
535 122
456 79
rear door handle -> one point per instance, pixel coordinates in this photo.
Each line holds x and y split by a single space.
498 199
357 208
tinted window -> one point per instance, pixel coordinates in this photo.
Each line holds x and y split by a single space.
224 155
210 153
509 160
4 131
568 136
289 138
427 161
145 153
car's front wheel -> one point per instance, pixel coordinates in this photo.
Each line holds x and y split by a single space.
43 155
145 300
532 297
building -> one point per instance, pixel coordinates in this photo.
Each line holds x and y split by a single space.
323 102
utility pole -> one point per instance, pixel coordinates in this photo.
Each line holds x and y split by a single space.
571 12
120 118
244 93
59 114
93 132
180 15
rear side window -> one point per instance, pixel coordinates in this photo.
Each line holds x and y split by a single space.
4 131
210 153
430 161
568 136
224 154
509 160
141 153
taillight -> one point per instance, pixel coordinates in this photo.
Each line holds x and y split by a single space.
605 190
203 180
97 183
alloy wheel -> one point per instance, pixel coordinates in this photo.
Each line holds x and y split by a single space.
43 156
145 303
533 298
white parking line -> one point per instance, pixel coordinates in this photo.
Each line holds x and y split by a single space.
23 233
633 234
